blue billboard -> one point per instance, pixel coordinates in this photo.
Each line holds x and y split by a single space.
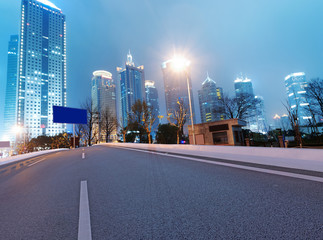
69 115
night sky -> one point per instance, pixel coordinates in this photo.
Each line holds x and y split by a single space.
266 40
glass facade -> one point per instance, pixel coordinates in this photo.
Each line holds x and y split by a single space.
152 101
11 90
296 84
103 94
42 67
255 119
210 96
131 86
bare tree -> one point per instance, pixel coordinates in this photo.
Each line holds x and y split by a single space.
148 119
109 123
294 120
240 107
135 118
314 92
88 129
178 117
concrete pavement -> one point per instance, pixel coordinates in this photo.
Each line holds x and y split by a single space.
137 195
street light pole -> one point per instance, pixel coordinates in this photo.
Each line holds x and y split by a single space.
190 103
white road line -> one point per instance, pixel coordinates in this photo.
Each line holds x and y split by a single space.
36 162
286 174
84 232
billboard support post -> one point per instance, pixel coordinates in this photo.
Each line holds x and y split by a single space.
74 135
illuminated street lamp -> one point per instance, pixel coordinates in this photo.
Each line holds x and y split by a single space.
180 64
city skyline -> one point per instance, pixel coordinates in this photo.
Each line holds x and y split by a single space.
289 54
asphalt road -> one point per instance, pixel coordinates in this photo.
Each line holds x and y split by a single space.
137 195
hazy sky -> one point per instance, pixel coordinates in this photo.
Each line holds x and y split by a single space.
265 39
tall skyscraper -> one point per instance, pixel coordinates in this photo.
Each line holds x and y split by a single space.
175 84
261 125
296 84
103 94
243 86
255 119
131 87
210 101
41 68
152 100
10 107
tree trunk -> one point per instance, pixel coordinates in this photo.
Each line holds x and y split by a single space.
177 137
124 137
149 140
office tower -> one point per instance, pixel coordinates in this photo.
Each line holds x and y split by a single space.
131 87
41 68
255 119
210 96
152 101
296 84
243 86
175 84
103 95
11 90
260 115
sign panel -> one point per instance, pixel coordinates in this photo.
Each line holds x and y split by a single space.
4 144
69 115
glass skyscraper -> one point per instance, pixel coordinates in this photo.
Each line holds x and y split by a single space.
131 87
255 119
210 96
103 94
243 86
152 101
175 84
41 67
296 84
11 90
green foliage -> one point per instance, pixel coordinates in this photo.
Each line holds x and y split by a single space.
167 134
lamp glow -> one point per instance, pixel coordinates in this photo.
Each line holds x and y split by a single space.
179 63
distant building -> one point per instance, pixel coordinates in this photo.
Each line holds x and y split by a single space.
281 122
243 86
152 101
256 117
131 87
103 92
42 67
261 125
211 107
296 84
104 96
10 108
175 84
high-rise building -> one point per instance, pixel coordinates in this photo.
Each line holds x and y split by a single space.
11 90
210 101
175 84
103 95
41 68
296 84
243 86
152 101
255 119
261 125
131 87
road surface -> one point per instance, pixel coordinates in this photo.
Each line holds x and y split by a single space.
124 194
